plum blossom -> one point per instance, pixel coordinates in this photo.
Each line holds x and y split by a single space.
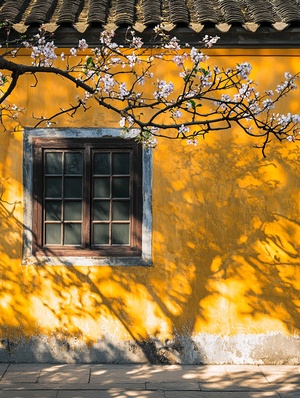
209 41
290 138
108 82
43 53
123 92
164 89
173 44
137 42
284 120
197 56
176 114
82 44
73 51
244 70
268 104
183 129
296 119
179 60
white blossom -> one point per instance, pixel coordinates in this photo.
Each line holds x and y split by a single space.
197 56
209 41
244 70
82 44
137 42
177 114
164 89
123 92
173 44
122 122
268 104
109 83
183 129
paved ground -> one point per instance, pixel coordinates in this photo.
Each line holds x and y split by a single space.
146 381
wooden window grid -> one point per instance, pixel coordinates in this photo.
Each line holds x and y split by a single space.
85 208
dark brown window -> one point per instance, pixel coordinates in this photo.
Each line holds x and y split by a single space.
87 197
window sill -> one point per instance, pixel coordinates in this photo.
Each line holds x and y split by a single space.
86 261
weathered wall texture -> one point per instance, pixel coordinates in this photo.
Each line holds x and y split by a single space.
225 282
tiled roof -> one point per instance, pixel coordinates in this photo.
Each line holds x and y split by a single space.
194 15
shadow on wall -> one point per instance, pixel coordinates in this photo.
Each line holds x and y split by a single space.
225 255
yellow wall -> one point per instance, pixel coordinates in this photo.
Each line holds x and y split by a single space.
226 238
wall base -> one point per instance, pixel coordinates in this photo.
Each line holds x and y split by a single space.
273 349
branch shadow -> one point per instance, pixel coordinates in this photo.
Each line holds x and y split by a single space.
225 238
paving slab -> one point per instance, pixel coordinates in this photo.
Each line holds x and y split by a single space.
70 386
25 367
21 377
147 373
173 386
113 393
203 394
236 387
295 394
65 374
3 368
28 394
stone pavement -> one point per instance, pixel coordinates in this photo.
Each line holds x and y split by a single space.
148 381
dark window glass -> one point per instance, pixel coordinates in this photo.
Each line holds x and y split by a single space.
53 187
53 161
120 234
101 188
53 211
102 163
120 210
73 211
101 234
120 187
121 163
72 234
73 187
53 234
73 163
101 210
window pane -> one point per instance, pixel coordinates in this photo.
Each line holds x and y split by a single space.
121 210
101 234
73 163
120 187
73 211
120 234
53 162
101 210
72 234
121 163
53 211
102 163
53 234
53 187
73 187
101 188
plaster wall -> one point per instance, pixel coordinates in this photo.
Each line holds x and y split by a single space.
225 280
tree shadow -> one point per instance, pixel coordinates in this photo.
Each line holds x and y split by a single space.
225 256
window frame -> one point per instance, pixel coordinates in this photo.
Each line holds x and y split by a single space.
40 145
140 254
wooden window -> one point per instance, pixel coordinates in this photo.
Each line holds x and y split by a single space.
87 197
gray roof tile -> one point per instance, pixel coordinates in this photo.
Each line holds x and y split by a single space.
149 12
276 22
